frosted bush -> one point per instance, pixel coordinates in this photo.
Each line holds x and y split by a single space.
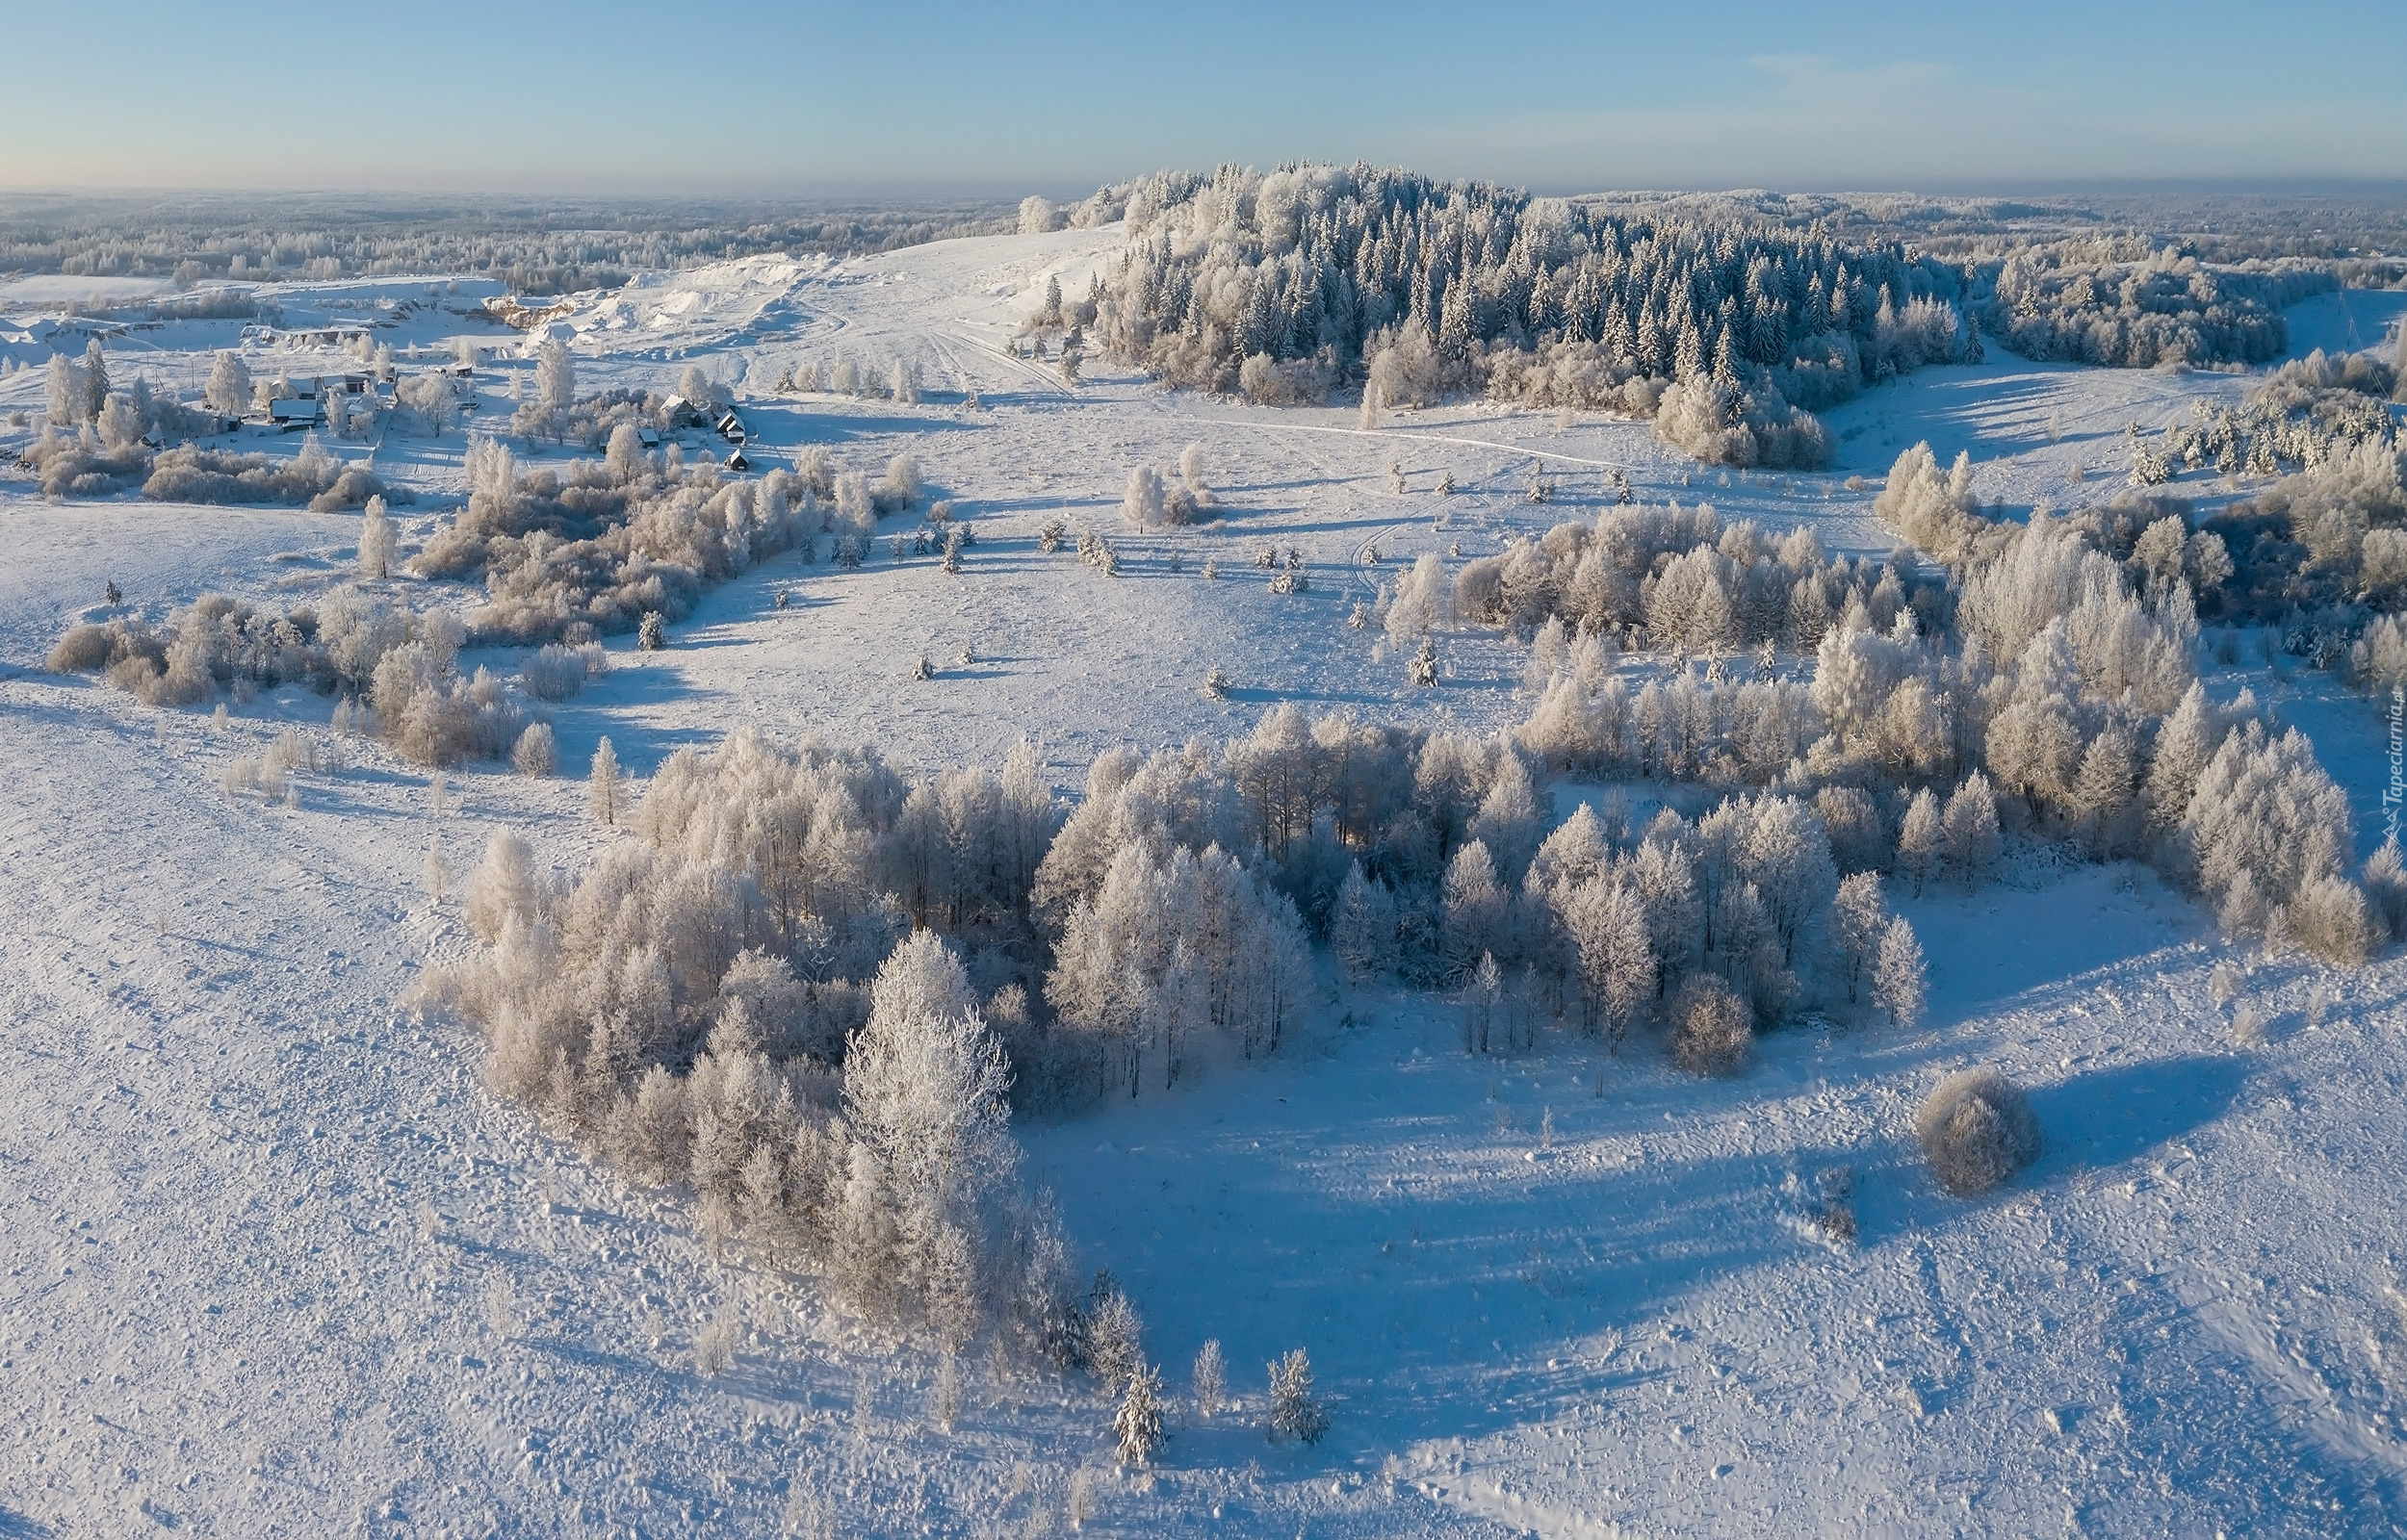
2331 918
1719 425
559 672
1712 1029
535 754
1975 1130
312 478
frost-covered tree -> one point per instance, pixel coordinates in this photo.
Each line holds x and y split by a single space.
1138 1423
1607 927
1211 1378
624 455
1922 840
556 380
1474 907
1142 504
1363 925
1191 473
95 379
375 540
1038 216
1418 604
502 888
1897 981
2184 743
63 391
602 793
923 1094
1713 1029
1510 821
1115 1346
1295 1411
1860 921
1970 825
230 387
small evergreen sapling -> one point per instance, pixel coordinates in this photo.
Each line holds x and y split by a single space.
651 635
1139 1422
1295 1412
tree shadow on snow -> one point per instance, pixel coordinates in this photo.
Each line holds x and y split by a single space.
2118 1114
1430 1309
15 1525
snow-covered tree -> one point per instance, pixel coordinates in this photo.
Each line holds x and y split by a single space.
1712 1028
502 887
1970 825
1295 1411
623 455
1897 981
1363 925
1138 1423
1860 921
1115 1344
1038 216
1211 1378
95 379
1417 605
230 387
1607 926
1475 908
1143 506
1922 840
923 1094
375 540
63 391
556 380
601 794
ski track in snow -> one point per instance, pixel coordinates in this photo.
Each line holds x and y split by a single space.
254 1208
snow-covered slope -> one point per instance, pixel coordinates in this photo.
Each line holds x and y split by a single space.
272 1262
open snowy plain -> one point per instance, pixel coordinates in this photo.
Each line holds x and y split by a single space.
276 1263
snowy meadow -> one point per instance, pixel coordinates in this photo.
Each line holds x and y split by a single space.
1298 852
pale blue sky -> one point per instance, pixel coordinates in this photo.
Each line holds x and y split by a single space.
740 98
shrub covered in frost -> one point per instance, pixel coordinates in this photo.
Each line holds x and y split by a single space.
557 671
1712 1029
1977 1129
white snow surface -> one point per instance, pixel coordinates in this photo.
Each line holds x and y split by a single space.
252 1209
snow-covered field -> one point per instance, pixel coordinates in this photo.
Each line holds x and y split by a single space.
259 1224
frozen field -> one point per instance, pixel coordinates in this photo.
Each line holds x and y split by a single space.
254 1213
